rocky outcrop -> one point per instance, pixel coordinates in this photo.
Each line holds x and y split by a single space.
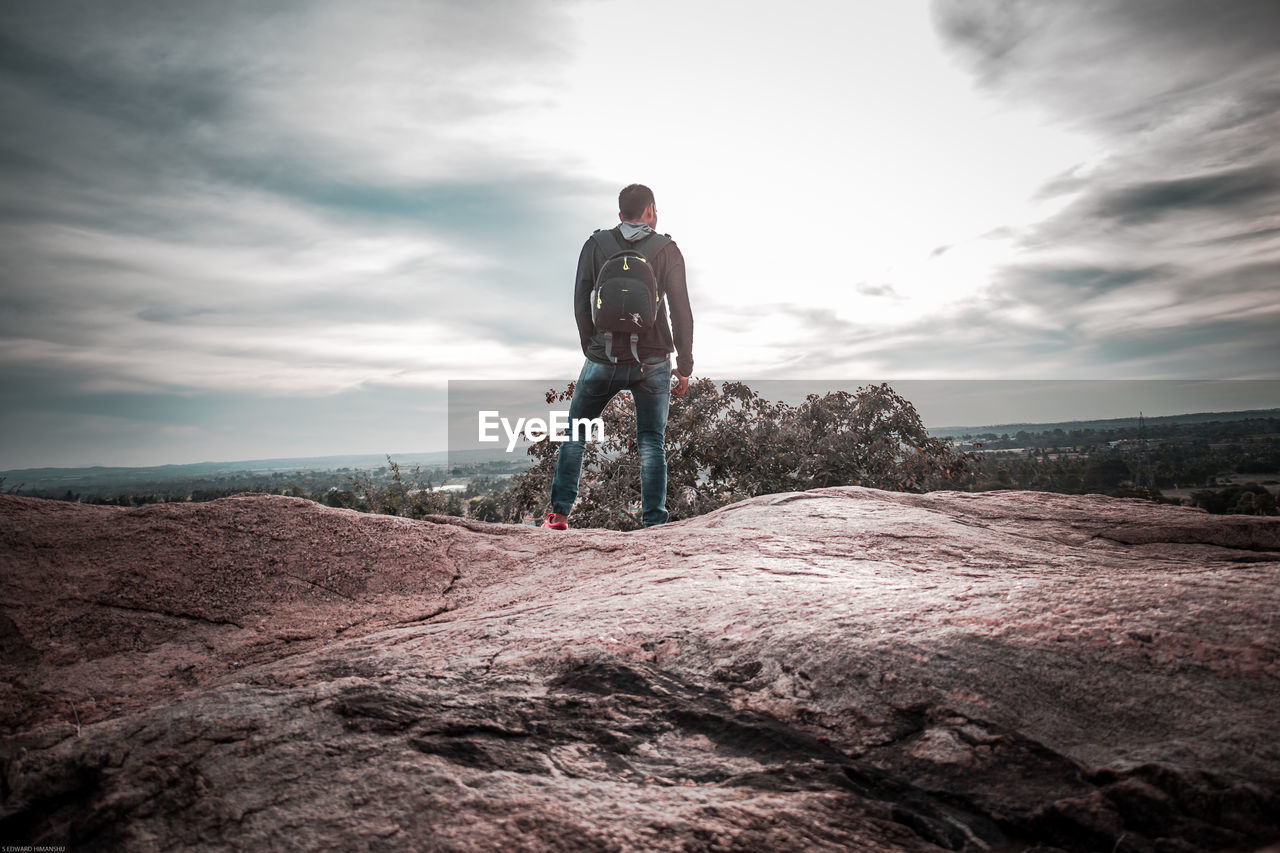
842 669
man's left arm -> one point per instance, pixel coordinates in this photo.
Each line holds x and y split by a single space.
681 314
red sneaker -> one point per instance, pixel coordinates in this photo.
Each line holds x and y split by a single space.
556 521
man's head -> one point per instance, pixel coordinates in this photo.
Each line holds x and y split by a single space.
635 204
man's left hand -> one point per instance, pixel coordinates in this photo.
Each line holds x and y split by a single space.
681 385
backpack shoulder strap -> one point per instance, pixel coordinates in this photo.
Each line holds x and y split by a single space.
610 241
653 244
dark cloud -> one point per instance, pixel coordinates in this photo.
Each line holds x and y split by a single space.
974 339
171 101
1182 96
208 173
117 101
822 322
1137 318
1248 236
1248 344
1059 288
1138 213
1230 191
202 198
1124 66
979 340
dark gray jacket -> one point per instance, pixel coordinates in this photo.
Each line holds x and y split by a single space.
665 336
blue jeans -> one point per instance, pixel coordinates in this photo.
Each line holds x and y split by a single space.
651 389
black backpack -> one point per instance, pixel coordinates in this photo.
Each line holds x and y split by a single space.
625 297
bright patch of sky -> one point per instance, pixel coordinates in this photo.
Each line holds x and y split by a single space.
805 155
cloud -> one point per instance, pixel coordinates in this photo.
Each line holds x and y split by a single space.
1168 240
980 341
279 195
867 289
1232 191
1059 293
51 420
1122 66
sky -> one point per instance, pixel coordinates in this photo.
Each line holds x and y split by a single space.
244 230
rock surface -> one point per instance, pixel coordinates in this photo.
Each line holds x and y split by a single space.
842 669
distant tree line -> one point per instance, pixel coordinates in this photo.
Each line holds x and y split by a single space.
1206 457
726 443
1085 436
387 489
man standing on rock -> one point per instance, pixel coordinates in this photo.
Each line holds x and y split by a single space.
644 368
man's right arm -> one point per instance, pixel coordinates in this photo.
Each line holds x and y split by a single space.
582 293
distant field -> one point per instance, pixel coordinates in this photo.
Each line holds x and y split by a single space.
1270 482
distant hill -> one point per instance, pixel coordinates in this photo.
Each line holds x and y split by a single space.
1099 425
103 479
59 478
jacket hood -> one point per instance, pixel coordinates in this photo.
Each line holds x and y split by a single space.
633 231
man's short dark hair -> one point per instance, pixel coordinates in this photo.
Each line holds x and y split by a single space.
633 200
